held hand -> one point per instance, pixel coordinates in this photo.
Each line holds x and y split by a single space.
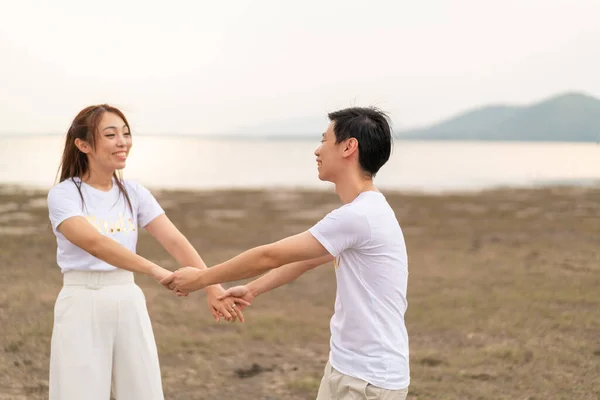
229 308
238 293
160 274
184 280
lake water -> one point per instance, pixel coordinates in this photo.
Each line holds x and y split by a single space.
202 163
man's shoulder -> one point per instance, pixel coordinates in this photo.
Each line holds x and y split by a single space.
350 210
345 219
365 205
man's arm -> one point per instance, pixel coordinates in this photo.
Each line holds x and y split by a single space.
287 273
250 263
273 279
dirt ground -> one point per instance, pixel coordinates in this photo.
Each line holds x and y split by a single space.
504 298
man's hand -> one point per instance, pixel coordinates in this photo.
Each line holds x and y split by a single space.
238 293
188 279
184 280
160 274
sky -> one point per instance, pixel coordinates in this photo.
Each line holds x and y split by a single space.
198 67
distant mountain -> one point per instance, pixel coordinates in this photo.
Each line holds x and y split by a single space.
573 117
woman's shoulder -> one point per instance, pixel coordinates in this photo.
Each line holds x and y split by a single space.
132 185
67 186
63 193
136 188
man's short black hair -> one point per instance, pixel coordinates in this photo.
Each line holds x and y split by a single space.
370 127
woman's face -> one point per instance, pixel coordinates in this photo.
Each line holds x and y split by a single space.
113 142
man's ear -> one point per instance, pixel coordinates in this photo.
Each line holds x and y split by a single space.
350 147
83 146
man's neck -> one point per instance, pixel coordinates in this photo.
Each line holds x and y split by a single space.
349 189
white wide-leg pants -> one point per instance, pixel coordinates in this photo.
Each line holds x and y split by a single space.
102 339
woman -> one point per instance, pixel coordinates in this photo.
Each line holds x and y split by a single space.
102 332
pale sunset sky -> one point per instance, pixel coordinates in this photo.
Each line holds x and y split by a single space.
198 67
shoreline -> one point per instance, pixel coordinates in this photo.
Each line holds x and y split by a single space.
12 188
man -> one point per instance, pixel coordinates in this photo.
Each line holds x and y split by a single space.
369 356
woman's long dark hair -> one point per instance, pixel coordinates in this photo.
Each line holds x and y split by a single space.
75 164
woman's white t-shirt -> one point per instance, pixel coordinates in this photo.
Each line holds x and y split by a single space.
107 211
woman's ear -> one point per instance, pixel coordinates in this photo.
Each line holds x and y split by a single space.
83 146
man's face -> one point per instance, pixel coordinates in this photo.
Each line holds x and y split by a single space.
329 155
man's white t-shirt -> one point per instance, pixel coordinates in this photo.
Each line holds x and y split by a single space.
107 211
369 340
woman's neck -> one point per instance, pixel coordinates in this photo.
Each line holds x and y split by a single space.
100 181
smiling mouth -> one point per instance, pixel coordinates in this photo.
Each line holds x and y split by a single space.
121 154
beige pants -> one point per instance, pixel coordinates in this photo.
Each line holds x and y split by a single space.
337 386
103 338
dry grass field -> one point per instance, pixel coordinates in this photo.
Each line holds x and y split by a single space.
504 296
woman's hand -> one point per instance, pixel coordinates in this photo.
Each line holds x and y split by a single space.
228 307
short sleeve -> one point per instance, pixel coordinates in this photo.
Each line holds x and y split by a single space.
341 229
148 207
64 202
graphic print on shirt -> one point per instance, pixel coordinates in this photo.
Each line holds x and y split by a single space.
336 262
112 226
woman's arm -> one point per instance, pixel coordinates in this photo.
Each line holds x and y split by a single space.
82 234
177 245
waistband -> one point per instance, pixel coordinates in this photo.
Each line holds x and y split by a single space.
97 279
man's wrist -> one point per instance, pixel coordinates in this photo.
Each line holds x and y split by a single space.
201 280
254 291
